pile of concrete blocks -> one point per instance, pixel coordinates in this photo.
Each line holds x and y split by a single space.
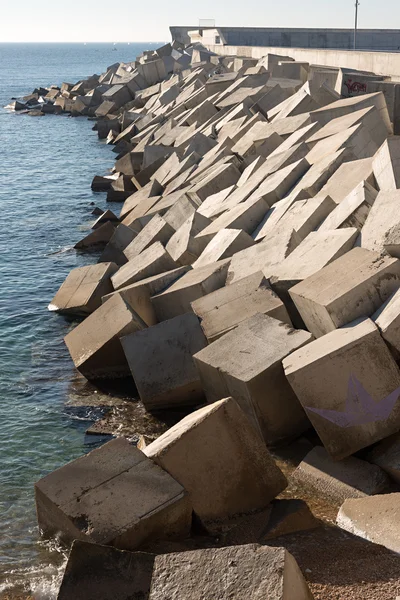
251 278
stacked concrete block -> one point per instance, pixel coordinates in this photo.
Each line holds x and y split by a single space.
152 261
353 210
161 363
381 230
224 309
247 364
357 408
115 496
353 286
81 292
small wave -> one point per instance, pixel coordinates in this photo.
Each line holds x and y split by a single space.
61 251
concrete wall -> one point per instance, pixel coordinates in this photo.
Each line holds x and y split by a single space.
367 39
381 63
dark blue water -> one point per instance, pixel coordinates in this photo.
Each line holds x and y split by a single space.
46 167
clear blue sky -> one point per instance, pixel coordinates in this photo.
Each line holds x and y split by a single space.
127 20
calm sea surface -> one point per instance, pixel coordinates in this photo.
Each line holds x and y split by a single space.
46 167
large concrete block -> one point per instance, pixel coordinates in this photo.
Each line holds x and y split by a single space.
353 210
184 247
152 261
246 363
338 480
114 495
176 300
358 140
216 456
81 292
347 176
245 216
387 318
303 216
264 256
386 164
95 572
219 179
223 245
250 571
382 225
320 172
98 238
156 230
277 185
349 385
94 345
161 363
315 252
138 295
229 306
375 519
353 286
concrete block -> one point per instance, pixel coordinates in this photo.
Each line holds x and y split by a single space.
245 216
288 516
277 185
386 164
115 496
347 176
246 362
316 177
353 286
219 179
317 250
224 309
223 245
369 116
176 300
99 237
93 572
387 319
94 344
348 383
160 360
214 454
380 231
302 215
386 454
156 230
338 480
184 247
353 210
152 261
301 102
350 105
285 127
107 215
374 519
138 295
81 292
264 256
249 571
180 211
114 251
214 204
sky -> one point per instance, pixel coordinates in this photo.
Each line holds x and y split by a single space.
125 20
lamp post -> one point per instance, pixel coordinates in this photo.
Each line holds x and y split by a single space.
355 24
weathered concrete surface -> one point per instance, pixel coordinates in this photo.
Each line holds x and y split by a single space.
223 245
382 226
238 572
288 516
114 251
94 345
176 299
338 480
184 246
161 363
386 164
386 454
152 261
224 309
81 292
353 286
93 572
216 456
246 363
375 519
387 319
138 295
369 379
156 230
115 496
352 210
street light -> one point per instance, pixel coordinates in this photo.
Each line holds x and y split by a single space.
355 24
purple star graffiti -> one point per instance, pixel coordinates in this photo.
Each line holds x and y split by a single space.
360 408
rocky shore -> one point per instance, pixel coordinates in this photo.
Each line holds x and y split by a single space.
248 284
